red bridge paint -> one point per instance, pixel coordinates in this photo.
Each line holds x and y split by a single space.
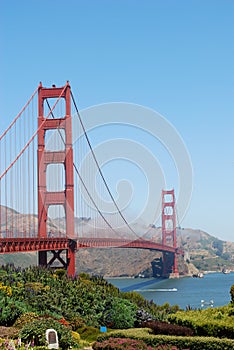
68 243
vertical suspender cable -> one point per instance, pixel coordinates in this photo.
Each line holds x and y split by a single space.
99 169
82 181
6 216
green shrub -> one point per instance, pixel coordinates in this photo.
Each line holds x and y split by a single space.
84 300
10 311
76 337
25 318
133 333
119 313
191 343
76 322
60 273
37 329
214 322
88 333
232 293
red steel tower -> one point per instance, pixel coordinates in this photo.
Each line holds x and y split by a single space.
64 156
170 263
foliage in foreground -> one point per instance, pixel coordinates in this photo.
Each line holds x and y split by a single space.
128 344
168 329
83 299
232 294
36 331
216 322
191 343
88 333
121 343
31 296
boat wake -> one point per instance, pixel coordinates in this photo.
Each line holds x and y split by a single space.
157 290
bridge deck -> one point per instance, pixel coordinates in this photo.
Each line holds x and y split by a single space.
15 245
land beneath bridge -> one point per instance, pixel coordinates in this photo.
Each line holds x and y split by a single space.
203 252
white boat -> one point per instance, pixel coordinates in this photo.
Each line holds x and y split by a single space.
225 270
199 275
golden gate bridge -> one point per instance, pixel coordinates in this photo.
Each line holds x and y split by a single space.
41 187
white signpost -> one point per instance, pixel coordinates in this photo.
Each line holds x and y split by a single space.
52 338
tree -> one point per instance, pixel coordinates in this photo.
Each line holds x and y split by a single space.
218 245
120 313
232 293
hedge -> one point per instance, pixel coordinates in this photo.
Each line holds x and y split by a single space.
210 322
191 343
168 329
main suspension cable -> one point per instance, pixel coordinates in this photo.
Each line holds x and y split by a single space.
33 136
98 167
81 179
19 114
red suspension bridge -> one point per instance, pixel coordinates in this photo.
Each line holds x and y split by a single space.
42 190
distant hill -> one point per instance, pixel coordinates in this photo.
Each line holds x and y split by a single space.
202 250
205 251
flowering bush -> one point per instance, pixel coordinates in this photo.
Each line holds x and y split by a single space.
64 322
168 329
25 318
121 343
128 344
36 330
5 289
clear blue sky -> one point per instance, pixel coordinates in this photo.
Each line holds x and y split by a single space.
176 57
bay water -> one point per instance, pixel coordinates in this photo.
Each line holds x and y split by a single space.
212 290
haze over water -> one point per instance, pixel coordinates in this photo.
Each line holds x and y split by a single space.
182 291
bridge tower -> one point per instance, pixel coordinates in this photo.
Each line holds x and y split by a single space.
170 262
64 156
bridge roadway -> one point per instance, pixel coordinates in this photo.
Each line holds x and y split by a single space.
15 245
